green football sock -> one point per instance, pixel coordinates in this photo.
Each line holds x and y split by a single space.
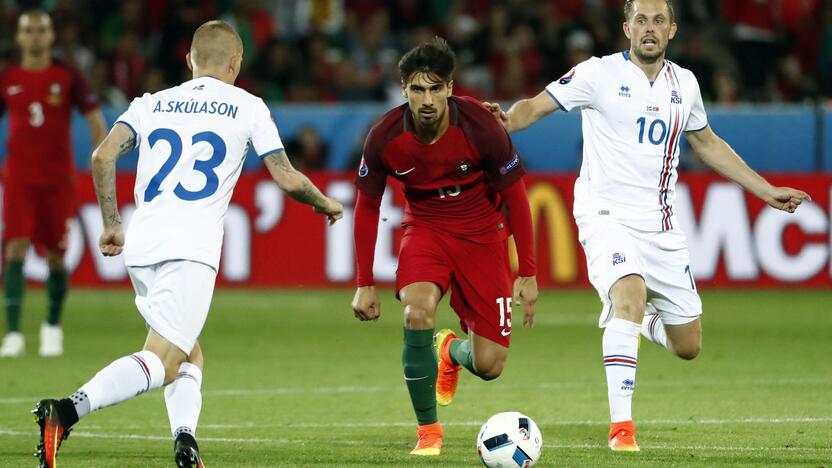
56 287
13 282
419 363
460 351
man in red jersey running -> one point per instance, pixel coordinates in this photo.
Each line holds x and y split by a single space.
459 168
39 176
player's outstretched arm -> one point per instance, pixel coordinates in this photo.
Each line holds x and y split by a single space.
118 142
524 112
300 188
717 154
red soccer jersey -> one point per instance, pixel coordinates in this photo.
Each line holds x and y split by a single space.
40 109
453 184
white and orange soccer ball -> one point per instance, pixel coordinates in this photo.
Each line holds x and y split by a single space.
509 439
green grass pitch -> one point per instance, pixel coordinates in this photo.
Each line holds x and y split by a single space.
292 379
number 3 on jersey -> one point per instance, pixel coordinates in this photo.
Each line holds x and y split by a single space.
36 117
204 166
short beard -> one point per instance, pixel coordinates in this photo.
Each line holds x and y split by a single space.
429 126
429 123
649 58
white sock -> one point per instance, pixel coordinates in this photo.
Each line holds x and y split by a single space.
123 379
183 399
652 328
620 345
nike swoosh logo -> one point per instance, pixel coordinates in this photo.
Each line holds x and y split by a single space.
404 172
15 89
505 332
415 378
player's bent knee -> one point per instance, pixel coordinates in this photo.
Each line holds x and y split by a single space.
490 370
689 352
16 249
629 309
55 261
491 374
685 340
418 317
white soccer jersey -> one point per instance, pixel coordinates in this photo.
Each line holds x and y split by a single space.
632 129
192 140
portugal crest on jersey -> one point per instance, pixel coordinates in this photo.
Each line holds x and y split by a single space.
463 167
54 97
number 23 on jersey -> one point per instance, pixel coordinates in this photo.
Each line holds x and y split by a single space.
206 167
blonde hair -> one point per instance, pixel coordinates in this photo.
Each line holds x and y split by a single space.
629 7
35 13
214 43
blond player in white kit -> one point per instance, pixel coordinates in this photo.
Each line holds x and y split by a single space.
635 106
192 140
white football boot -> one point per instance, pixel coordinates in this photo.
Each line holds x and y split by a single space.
13 345
51 340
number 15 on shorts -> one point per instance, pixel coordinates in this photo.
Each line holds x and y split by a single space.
505 311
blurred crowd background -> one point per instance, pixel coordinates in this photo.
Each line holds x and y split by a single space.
347 50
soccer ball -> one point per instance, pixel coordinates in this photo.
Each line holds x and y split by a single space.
509 439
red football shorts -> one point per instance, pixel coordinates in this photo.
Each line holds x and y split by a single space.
40 214
478 275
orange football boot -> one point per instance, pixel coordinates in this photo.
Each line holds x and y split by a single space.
623 437
52 432
448 375
430 440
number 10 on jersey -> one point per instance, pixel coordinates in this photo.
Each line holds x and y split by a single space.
651 130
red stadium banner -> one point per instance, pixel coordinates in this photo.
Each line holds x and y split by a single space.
271 241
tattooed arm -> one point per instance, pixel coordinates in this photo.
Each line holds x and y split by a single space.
118 142
299 187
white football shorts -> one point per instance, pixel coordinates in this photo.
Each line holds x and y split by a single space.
174 297
614 251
